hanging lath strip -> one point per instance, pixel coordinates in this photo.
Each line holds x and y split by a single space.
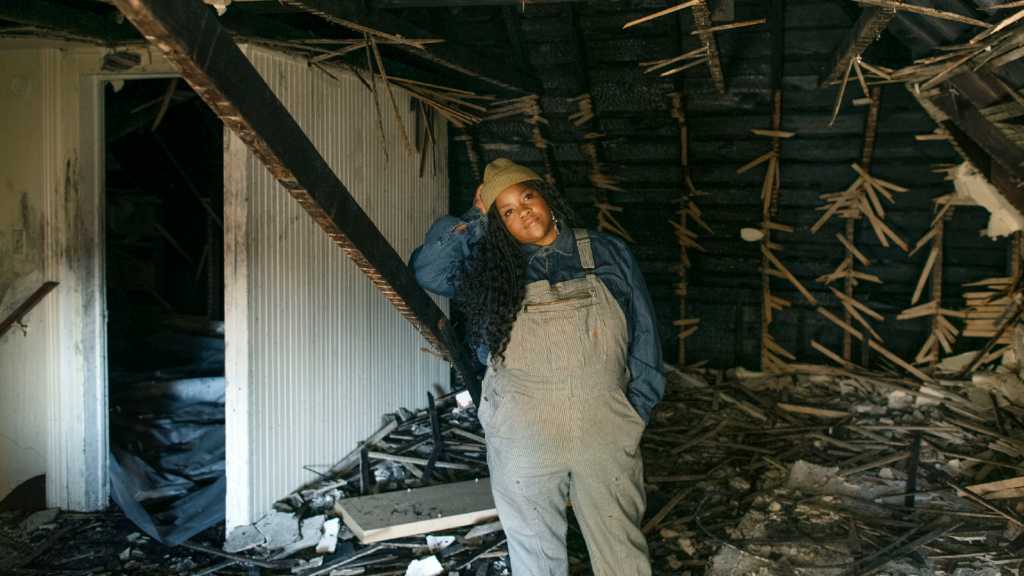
707 53
773 355
687 238
606 221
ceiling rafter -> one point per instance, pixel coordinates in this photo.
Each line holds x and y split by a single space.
702 18
872 22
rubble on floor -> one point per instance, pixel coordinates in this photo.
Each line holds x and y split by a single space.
827 472
58 543
820 472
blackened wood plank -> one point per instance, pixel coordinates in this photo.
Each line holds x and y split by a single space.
871 23
703 20
192 39
26 306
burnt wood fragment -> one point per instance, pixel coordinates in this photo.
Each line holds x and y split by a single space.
26 306
872 22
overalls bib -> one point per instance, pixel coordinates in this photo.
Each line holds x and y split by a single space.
558 424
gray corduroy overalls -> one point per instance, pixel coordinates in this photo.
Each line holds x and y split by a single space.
558 424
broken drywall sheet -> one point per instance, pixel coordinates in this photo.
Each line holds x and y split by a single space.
1005 219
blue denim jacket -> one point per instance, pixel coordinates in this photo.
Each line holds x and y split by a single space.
443 249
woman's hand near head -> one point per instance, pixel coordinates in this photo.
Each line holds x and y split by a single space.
477 203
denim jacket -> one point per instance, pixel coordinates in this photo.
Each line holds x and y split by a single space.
443 250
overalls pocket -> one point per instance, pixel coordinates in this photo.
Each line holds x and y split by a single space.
493 403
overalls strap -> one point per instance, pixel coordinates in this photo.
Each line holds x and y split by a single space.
583 245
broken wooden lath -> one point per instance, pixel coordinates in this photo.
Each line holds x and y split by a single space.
606 221
687 238
707 53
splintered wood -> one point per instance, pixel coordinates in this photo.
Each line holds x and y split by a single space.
456 106
773 355
687 238
606 221
706 54
862 199
995 47
851 468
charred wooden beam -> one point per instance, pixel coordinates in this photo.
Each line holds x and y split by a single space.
193 40
26 307
872 22
446 54
997 157
702 18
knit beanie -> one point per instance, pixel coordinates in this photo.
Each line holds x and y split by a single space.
501 174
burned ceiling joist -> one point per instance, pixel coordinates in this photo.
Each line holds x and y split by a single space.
869 26
191 38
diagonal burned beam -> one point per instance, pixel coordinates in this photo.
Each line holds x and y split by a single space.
702 18
872 22
192 39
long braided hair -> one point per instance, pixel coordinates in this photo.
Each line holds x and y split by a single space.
490 285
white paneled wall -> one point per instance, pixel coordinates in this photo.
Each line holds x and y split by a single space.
316 354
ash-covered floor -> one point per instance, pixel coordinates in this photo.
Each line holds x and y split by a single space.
821 472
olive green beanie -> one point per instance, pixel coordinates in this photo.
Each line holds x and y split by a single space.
501 174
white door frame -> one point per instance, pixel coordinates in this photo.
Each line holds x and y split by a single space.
90 406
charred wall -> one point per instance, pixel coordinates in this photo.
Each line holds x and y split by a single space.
575 48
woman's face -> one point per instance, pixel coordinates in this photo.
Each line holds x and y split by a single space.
526 215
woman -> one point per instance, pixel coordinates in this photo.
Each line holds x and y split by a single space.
573 369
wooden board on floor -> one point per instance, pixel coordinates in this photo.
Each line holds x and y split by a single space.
404 513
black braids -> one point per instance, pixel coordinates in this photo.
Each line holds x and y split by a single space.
490 285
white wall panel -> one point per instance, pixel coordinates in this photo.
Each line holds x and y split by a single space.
53 409
316 353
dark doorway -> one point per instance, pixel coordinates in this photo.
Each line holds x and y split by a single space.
165 293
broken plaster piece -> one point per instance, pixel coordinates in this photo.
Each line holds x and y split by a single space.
438 543
751 234
279 528
464 400
1005 219
428 566
329 540
243 538
813 479
39 519
484 529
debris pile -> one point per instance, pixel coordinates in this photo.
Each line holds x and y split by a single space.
443 444
62 543
818 471
827 471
